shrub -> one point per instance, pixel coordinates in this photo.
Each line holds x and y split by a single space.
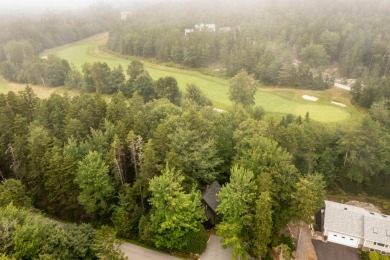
364 255
195 241
289 242
145 233
376 256
385 206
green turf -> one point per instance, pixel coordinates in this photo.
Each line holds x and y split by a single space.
4 86
215 88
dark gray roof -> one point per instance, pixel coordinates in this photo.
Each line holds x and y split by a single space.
210 195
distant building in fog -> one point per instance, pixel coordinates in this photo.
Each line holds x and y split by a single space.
188 31
124 15
225 29
209 27
201 27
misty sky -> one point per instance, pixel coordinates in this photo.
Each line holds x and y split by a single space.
42 5
23 6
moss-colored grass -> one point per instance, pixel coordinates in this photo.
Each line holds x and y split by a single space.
275 101
5 86
39 90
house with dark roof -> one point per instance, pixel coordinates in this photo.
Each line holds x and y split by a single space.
210 201
357 227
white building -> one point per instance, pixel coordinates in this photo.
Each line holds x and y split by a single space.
357 227
124 15
188 31
209 27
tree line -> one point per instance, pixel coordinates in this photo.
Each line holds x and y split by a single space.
26 235
21 41
100 78
297 46
140 165
55 28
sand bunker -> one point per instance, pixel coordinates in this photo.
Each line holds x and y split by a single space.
311 98
339 104
218 110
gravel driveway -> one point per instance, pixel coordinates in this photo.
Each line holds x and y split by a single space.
134 252
214 250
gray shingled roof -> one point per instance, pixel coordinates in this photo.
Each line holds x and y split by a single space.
349 222
210 195
382 225
356 221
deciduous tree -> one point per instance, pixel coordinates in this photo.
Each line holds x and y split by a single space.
96 185
175 213
242 89
237 200
308 197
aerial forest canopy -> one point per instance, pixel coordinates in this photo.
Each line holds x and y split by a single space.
121 162
131 155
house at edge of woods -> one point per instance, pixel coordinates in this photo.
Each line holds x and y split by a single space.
210 202
357 227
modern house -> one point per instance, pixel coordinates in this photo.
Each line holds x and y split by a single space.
210 201
357 227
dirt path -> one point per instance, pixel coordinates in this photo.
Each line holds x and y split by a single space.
305 249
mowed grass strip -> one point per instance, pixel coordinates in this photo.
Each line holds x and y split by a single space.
273 100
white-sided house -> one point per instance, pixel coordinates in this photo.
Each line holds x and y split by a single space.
377 233
357 227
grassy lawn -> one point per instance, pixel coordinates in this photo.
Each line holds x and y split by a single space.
39 90
275 101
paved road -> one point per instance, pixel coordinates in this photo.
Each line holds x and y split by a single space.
332 251
214 250
134 252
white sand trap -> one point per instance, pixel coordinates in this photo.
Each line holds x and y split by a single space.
218 110
311 98
339 104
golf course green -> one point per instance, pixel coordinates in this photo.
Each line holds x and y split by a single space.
275 101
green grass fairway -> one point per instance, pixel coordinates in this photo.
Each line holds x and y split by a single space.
274 102
4 86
